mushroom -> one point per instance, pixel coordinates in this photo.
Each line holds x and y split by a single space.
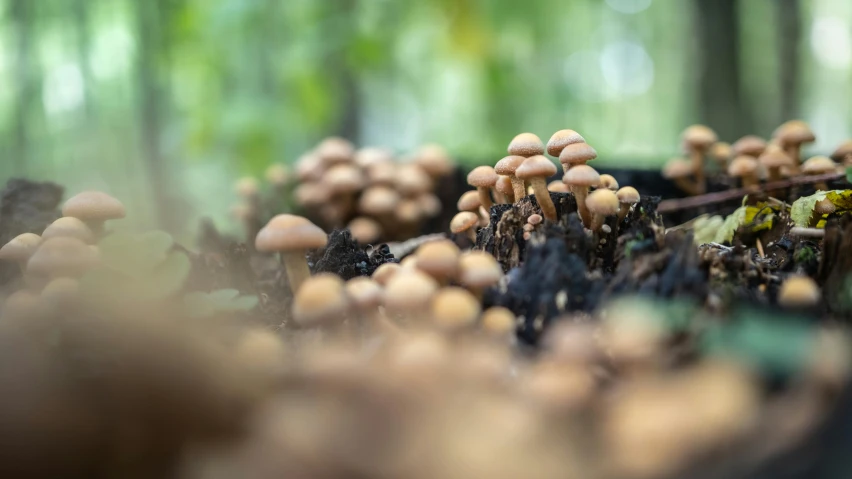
561 139
536 170
557 186
579 179
576 154
70 227
311 195
409 293
411 181
430 205
478 270
434 160
819 165
745 168
60 292
526 145
505 188
483 178
261 351
822 208
20 248
247 188
309 167
369 156
335 150
320 301
61 256
843 153
508 166
365 230
749 145
344 182
378 201
291 236
454 309
608 182
601 203
367 295
773 158
440 260
465 222
94 208
498 322
792 135
799 291
697 139
469 201
382 174
721 152
627 197
277 175
385 272
680 170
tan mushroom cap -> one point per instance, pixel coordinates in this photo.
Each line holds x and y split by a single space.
365 230
62 256
71 227
482 176
536 166
794 132
504 185
21 247
439 259
378 200
557 186
247 187
750 145
577 153
478 269
411 180
311 194
842 151
742 165
385 272
526 145
562 138
799 291
582 176
409 291
434 160
609 182
677 168
498 321
372 155
382 173
60 291
277 174
320 299
288 233
699 137
627 195
454 309
463 221
430 205
93 206
602 202
334 150
721 150
408 211
309 167
508 165
343 178
365 293
469 201
817 165
775 157
824 207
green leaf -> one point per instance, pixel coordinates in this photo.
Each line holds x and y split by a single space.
756 218
849 174
802 209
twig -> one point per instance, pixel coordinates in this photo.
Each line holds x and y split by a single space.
809 232
406 247
760 248
668 206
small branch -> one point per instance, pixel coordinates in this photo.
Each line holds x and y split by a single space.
407 247
667 206
808 232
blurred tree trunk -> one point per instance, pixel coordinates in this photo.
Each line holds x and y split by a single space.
84 44
720 97
788 13
21 12
349 123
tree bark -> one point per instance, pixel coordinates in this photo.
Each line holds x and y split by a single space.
788 13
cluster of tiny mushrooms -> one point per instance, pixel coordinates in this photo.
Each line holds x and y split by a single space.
751 157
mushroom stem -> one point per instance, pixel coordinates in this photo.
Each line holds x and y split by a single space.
623 209
686 186
519 188
471 233
500 197
597 222
565 168
539 186
793 150
821 186
749 180
580 194
698 171
297 269
485 197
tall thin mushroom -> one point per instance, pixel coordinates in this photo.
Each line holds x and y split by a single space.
291 236
536 170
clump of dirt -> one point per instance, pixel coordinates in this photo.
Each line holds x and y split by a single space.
346 258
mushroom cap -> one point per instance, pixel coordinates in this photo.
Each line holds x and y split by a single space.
526 145
411 180
482 176
750 145
439 259
794 132
699 137
378 200
609 182
504 185
71 227
320 299
561 139
775 157
721 150
582 176
372 155
309 167
742 165
365 230
469 201
537 166
62 256
498 321
577 153
508 165
478 269
343 178
382 173
93 206
365 293
311 194
824 207
817 165
409 290
385 272
334 150
277 174
60 291
677 168
455 308
602 202
434 160
289 233
557 186
535 219
843 150
408 211
799 291
627 195
21 247
247 187
430 205
463 221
